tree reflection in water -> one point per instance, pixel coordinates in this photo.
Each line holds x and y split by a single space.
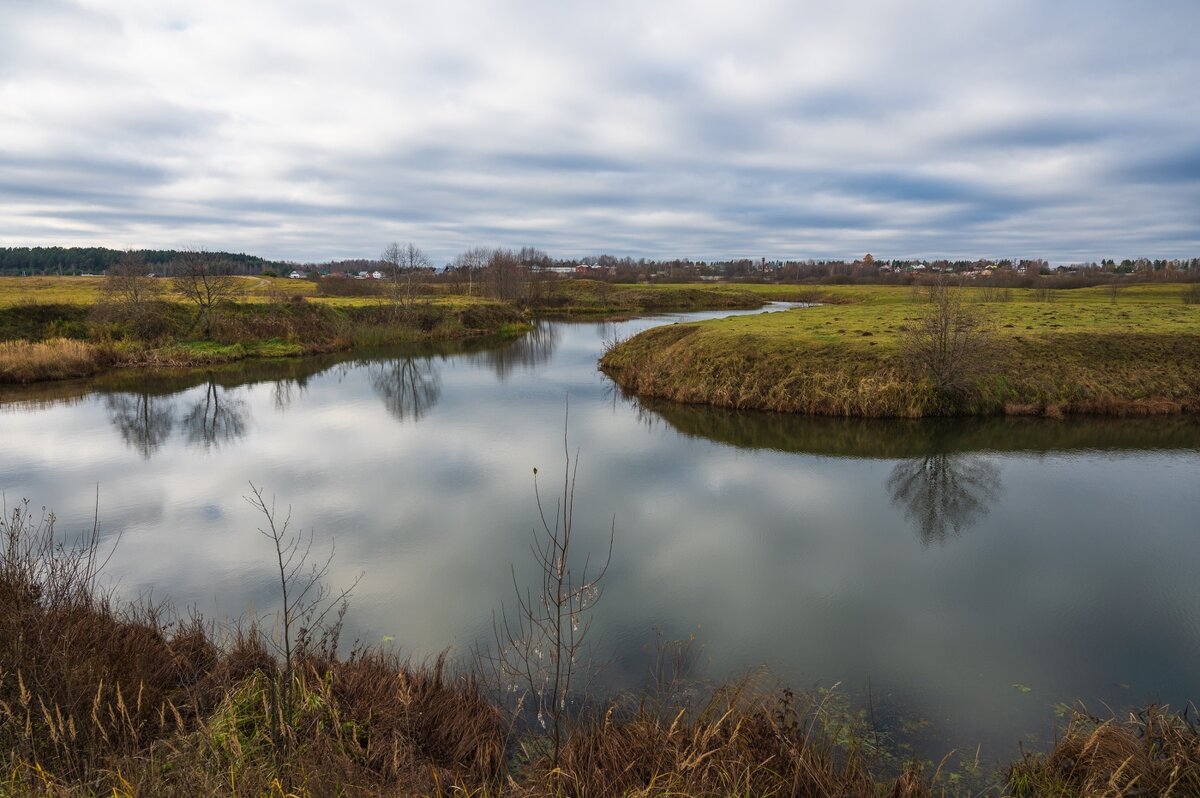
144 420
531 349
943 494
285 391
216 418
409 387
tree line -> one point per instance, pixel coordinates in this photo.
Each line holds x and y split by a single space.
98 260
505 266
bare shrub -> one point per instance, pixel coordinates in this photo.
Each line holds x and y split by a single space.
405 266
504 275
995 293
950 343
130 297
205 283
540 643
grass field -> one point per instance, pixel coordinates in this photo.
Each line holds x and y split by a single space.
1084 350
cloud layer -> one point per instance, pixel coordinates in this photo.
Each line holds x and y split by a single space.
694 128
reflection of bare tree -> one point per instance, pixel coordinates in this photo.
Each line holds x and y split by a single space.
531 349
285 391
944 493
409 386
144 420
217 418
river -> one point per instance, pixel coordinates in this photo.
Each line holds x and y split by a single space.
961 580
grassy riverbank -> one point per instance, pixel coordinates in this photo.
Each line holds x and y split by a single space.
61 328
1133 352
100 698
49 342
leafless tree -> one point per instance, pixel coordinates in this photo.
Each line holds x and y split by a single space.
405 265
505 275
469 266
540 642
306 600
205 283
128 295
950 344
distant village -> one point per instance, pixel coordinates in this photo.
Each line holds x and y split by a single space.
97 260
625 269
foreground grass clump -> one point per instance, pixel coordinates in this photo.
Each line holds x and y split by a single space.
97 698
1087 351
1150 753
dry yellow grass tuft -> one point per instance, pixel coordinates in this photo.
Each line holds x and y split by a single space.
55 359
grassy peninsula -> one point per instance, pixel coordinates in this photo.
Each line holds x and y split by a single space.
54 328
1135 351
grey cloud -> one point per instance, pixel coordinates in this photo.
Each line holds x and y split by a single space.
645 130
1170 170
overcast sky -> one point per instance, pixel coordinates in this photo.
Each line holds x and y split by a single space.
309 130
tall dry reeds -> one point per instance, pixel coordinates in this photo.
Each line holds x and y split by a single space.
54 359
1149 753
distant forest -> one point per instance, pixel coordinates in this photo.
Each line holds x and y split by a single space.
97 260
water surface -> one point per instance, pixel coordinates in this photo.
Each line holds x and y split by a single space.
971 574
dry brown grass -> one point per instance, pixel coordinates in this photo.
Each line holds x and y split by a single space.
741 742
55 359
96 698
1151 753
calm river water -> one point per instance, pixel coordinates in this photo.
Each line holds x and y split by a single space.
968 576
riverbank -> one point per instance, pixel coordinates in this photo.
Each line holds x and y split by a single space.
97 697
65 342
62 328
1134 352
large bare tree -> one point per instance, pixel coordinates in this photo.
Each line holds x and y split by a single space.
205 282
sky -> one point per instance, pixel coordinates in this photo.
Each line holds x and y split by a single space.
307 130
